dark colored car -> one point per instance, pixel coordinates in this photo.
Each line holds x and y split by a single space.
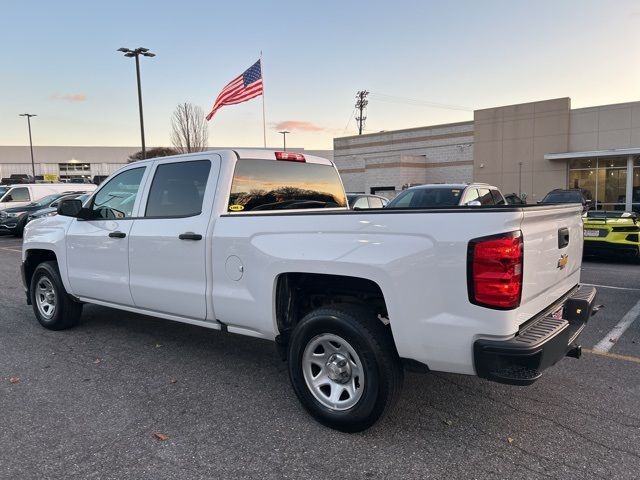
13 220
53 210
363 201
514 199
573 195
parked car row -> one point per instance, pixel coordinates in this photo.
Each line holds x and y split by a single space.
14 219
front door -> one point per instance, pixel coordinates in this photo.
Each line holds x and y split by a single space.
98 248
168 242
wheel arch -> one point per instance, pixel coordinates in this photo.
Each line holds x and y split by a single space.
34 257
298 293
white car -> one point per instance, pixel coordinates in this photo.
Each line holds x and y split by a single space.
262 243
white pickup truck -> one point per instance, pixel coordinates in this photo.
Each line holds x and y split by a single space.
261 243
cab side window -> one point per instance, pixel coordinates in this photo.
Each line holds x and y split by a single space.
470 195
375 202
20 195
116 198
484 196
178 189
498 199
361 203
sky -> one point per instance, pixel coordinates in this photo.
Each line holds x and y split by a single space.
59 61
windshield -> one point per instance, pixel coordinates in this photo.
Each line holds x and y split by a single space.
563 197
427 198
45 201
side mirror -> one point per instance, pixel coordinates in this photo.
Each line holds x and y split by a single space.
474 203
70 208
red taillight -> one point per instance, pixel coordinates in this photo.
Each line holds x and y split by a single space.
495 271
292 157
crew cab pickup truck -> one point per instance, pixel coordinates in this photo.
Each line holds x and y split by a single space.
261 243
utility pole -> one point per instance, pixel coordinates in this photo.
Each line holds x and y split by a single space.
361 105
33 165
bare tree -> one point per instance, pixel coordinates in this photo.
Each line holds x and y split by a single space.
188 129
153 153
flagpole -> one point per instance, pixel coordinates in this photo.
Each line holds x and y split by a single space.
264 118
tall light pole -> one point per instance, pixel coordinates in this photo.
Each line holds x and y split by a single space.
136 54
284 139
33 165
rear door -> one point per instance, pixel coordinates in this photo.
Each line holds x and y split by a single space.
552 238
167 249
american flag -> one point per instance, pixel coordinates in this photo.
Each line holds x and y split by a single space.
242 88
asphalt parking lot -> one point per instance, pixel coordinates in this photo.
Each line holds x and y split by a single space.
86 403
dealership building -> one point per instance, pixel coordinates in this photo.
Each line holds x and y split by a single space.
528 149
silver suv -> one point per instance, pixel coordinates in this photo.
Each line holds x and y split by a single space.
448 195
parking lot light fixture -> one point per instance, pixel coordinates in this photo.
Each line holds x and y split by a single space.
33 165
136 54
284 139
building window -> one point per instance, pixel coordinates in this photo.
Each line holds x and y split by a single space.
604 181
74 170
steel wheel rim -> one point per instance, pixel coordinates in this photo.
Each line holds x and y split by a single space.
333 372
45 298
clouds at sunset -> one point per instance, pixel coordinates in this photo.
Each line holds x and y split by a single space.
299 125
70 97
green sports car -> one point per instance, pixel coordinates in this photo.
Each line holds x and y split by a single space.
611 233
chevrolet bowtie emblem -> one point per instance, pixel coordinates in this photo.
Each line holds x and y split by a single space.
563 260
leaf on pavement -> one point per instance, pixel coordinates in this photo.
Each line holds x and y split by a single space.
13 380
172 380
160 436
509 439
97 361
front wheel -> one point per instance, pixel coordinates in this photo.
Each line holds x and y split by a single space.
344 367
53 307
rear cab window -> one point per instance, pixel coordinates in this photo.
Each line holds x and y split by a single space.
267 185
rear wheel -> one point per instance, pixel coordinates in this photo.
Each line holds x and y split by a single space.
344 367
53 307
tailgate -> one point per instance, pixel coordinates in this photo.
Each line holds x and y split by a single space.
553 242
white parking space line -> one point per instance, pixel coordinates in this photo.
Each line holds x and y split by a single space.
611 286
11 249
611 338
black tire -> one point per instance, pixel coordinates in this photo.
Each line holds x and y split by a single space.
66 312
373 344
19 230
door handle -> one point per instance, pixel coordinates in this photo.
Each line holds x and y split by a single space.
117 234
190 236
563 237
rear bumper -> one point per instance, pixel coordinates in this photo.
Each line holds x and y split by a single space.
602 248
539 344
